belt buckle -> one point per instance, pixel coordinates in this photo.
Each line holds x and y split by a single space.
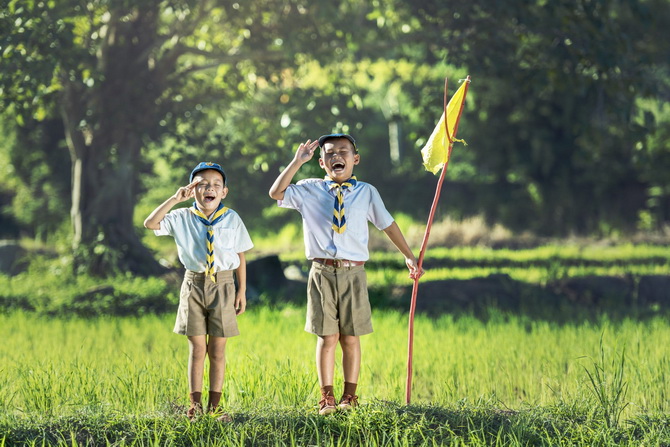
337 263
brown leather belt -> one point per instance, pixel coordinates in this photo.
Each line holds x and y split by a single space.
338 263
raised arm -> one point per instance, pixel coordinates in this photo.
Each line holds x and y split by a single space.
153 221
304 154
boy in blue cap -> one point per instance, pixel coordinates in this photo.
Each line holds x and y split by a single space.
211 240
335 214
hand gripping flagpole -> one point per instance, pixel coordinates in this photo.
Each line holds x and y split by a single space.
424 243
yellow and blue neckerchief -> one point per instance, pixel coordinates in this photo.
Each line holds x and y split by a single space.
216 217
339 221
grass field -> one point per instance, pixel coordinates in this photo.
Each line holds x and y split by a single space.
543 371
538 265
507 381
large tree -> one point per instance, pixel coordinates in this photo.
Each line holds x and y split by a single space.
556 98
115 72
103 67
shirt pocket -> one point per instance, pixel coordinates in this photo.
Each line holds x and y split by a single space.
224 238
357 218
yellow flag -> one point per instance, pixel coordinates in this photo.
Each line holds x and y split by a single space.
436 150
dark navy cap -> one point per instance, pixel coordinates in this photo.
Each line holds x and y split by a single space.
207 165
324 138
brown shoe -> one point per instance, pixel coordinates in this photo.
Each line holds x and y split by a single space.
327 404
348 402
194 411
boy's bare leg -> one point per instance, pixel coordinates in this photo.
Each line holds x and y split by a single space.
351 366
197 349
325 358
216 350
325 367
351 357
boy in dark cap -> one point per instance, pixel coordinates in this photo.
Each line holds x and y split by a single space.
211 240
335 214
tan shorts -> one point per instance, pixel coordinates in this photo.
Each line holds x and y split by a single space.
205 307
337 301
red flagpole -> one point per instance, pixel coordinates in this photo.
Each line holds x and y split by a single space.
424 243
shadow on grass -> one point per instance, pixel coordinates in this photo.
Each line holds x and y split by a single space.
378 423
571 300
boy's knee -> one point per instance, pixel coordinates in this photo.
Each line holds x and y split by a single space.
197 346
216 348
349 340
329 340
217 355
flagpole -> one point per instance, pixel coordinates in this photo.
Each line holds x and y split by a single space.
424 242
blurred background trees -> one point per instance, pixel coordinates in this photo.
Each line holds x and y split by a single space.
108 104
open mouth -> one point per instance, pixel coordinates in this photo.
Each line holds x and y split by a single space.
209 198
338 166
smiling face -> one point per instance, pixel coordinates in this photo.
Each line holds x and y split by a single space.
338 158
210 191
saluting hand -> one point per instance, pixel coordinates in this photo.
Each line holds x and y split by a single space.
188 191
305 151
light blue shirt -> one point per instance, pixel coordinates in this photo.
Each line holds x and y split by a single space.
230 238
314 200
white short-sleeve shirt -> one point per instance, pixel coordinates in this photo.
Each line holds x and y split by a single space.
190 234
315 202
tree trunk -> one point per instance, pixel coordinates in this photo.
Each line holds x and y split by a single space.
103 198
105 126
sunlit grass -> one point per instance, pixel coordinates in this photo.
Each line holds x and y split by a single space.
618 253
537 266
510 380
625 252
139 366
534 275
474 383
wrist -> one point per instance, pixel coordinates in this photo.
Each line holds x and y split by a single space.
296 163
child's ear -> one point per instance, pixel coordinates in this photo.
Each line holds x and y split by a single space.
357 159
321 163
224 193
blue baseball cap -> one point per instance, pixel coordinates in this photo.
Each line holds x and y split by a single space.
207 165
324 138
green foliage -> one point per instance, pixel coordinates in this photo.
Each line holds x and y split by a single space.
49 287
556 98
41 178
565 120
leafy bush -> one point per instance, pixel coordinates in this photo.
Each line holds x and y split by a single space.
49 287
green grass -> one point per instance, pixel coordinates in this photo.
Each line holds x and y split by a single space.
502 380
507 381
532 274
536 266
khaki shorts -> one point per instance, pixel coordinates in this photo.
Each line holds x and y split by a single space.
337 301
205 307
